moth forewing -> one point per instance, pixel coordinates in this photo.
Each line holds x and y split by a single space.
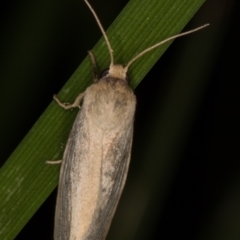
96 159
95 162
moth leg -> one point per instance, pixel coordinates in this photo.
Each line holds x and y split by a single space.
95 70
54 162
66 106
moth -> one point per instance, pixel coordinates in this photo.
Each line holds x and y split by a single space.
97 154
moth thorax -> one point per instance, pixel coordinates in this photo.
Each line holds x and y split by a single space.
117 71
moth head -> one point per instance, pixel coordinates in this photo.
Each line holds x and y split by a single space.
120 71
116 71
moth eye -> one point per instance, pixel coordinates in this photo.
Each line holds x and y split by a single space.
104 73
127 79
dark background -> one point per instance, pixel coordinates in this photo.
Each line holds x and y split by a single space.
189 192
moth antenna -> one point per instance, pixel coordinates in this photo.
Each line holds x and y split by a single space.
103 32
162 42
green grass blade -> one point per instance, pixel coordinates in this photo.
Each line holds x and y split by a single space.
25 180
